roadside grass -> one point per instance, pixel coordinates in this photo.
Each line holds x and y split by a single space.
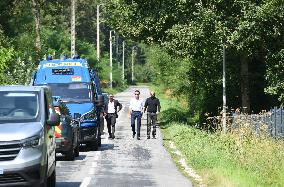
232 159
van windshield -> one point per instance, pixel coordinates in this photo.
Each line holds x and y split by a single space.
19 106
72 92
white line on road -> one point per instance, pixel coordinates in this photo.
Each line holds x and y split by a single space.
94 164
92 171
86 182
96 157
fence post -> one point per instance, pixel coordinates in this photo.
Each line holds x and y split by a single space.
275 122
281 124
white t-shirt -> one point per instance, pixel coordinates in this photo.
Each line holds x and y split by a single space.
136 105
110 108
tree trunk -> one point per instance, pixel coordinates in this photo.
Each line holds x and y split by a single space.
245 84
36 10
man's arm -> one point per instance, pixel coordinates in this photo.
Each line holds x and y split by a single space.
145 105
158 105
119 106
105 108
130 108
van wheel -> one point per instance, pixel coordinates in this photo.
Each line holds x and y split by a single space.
94 146
51 181
76 150
100 142
70 155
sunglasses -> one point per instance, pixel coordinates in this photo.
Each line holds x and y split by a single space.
136 94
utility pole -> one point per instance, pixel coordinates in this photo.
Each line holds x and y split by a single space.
116 52
36 11
110 58
132 64
123 46
73 33
98 32
224 91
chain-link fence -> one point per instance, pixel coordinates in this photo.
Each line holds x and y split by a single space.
265 123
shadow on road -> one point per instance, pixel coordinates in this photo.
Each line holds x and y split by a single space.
68 184
63 158
106 147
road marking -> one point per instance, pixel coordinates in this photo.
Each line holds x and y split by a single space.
96 157
58 164
94 164
86 182
92 171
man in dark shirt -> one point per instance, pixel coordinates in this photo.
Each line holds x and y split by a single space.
110 113
153 107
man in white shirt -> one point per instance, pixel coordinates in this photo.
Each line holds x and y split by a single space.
136 111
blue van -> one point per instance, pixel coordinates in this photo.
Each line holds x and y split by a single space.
72 80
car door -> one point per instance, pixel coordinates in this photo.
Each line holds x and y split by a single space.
50 131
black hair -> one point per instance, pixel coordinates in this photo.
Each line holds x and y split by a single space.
137 91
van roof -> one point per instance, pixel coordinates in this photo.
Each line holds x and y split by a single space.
62 71
20 88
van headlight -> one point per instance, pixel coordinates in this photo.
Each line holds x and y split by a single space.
89 116
32 142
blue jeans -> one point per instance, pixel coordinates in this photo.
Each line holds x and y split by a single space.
136 115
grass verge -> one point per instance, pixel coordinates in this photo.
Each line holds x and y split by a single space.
223 160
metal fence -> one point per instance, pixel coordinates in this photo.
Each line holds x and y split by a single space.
267 122
275 122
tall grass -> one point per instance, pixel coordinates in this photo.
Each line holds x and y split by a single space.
232 159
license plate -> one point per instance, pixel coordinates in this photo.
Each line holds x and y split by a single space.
1 171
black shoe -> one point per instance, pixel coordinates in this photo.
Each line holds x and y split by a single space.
138 138
133 135
109 136
113 136
153 137
148 137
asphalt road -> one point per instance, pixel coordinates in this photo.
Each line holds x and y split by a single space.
124 161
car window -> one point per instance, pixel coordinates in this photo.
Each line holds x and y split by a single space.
19 105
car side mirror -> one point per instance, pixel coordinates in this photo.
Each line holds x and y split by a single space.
100 101
53 120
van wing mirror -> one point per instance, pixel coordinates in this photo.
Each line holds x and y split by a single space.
100 101
53 120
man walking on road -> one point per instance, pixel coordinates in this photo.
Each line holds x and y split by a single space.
136 111
153 107
110 112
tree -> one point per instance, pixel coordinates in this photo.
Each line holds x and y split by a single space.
36 11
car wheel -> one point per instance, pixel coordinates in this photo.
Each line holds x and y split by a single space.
70 155
99 140
76 150
94 146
